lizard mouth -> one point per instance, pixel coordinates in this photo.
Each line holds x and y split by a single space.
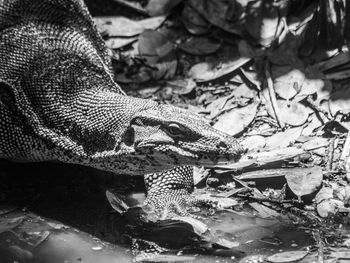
203 159
185 156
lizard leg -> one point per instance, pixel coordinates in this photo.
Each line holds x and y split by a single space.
169 193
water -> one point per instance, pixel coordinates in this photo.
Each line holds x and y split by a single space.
75 197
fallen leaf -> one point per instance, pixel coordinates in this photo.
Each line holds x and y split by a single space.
237 120
164 70
262 21
288 81
340 59
324 194
135 5
7 224
198 227
182 86
283 139
227 243
218 106
254 142
210 71
199 174
200 46
293 113
304 181
161 7
21 254
153 46
34 239
340 74
288 256
123 27
246 50
314 82
217 14
313 123
6 209
115 43
314 143
243 91
329 207
164 258
287 53
264 211
340 102
194 22
340 253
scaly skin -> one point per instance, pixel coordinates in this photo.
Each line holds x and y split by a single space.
58 100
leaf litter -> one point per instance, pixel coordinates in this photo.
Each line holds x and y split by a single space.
274 75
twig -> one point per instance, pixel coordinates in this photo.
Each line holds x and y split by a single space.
318 109
319 243
272 96
261 159
331 154
345 154
260 199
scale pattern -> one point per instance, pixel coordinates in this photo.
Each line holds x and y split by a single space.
58 101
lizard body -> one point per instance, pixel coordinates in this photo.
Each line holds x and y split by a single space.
59 102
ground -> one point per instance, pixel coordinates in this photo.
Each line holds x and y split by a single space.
274 76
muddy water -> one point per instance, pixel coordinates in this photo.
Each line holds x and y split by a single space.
249 233
75 197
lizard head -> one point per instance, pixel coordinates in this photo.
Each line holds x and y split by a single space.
165 136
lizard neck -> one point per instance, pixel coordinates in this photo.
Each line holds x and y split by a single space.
100 118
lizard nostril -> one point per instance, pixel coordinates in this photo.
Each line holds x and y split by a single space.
222 145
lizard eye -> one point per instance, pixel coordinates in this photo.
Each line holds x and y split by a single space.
174 129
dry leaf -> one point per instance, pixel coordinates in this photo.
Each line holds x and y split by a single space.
264 211
209 71
324 194
198 227
160 7
246 50
340 253
7 224
115 43
314 123
293 113
289 256
288 81
200 46
124 27
216 12
287 52
220 105
340 102
261 21
153 46
304 181
315 82
243 91
283 139
182 86
254 142
329 207
227 243
314 143
194 22
199 174
237 120
165 70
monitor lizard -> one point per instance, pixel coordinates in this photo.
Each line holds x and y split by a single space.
59 102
